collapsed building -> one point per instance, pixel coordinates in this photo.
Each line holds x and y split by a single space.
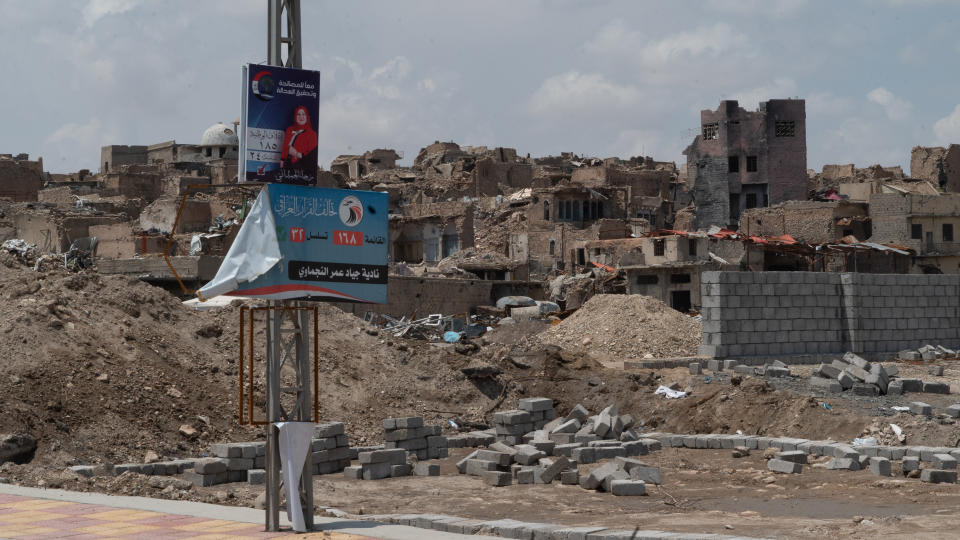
747 159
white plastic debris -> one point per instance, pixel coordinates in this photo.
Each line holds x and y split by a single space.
670 393
897 430
900 409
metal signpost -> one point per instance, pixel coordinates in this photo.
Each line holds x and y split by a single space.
299 340
297 243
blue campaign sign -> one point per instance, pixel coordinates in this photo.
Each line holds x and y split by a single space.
278 119
318 244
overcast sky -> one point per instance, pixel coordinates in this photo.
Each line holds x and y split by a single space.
601 78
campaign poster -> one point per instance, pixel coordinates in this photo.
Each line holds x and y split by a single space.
333 246
279 125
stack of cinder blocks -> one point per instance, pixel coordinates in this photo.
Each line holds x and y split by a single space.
411 435
231 464
533 414
387 463
331 448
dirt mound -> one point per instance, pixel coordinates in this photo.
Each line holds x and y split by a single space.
626 327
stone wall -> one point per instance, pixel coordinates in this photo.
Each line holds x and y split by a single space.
422 296
779 314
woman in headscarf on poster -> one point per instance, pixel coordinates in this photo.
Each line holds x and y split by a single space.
299 142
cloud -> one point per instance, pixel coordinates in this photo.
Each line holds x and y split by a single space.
573 91
780 88
98 9
777 9
896 108
73 132
947 129
617 38
827 104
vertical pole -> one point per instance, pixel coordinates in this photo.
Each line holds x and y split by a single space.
274 321
305 405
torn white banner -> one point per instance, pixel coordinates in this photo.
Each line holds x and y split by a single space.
254 251
295 442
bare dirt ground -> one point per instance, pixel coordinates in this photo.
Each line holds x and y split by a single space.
100 368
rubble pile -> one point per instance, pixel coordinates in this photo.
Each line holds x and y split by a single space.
626 327
866 378
527 454
928 353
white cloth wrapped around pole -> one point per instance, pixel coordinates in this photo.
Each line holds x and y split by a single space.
295 442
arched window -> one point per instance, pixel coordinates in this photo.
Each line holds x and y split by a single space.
546 210
553 246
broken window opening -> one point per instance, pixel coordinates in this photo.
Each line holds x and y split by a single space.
659 248
647 279
679 278
916 231
546 210
785 128
751 163
553 247
751 201
711 131
692 247
948 232
581 257
733 164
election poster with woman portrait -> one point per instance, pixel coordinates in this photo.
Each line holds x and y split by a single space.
278 137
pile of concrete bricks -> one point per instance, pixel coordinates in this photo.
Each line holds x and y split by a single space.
794 451
866 378
532 414
622 476
553 452
387 463
411 435
928 353
472 439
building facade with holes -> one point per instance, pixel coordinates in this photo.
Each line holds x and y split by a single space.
747 159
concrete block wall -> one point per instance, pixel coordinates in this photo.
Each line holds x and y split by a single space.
769 314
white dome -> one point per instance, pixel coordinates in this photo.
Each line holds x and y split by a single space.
219 134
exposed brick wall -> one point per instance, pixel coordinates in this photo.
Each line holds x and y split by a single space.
19 181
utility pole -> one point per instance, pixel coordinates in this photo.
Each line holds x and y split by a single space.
282 13
286 347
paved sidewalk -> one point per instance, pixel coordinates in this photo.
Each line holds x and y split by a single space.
39 513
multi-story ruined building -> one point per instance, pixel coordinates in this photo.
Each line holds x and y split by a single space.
927 224
747 159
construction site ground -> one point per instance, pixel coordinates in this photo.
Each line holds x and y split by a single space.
108 369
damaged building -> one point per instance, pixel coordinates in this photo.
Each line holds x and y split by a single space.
927 224
20 178
427 233
809 221
747 159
